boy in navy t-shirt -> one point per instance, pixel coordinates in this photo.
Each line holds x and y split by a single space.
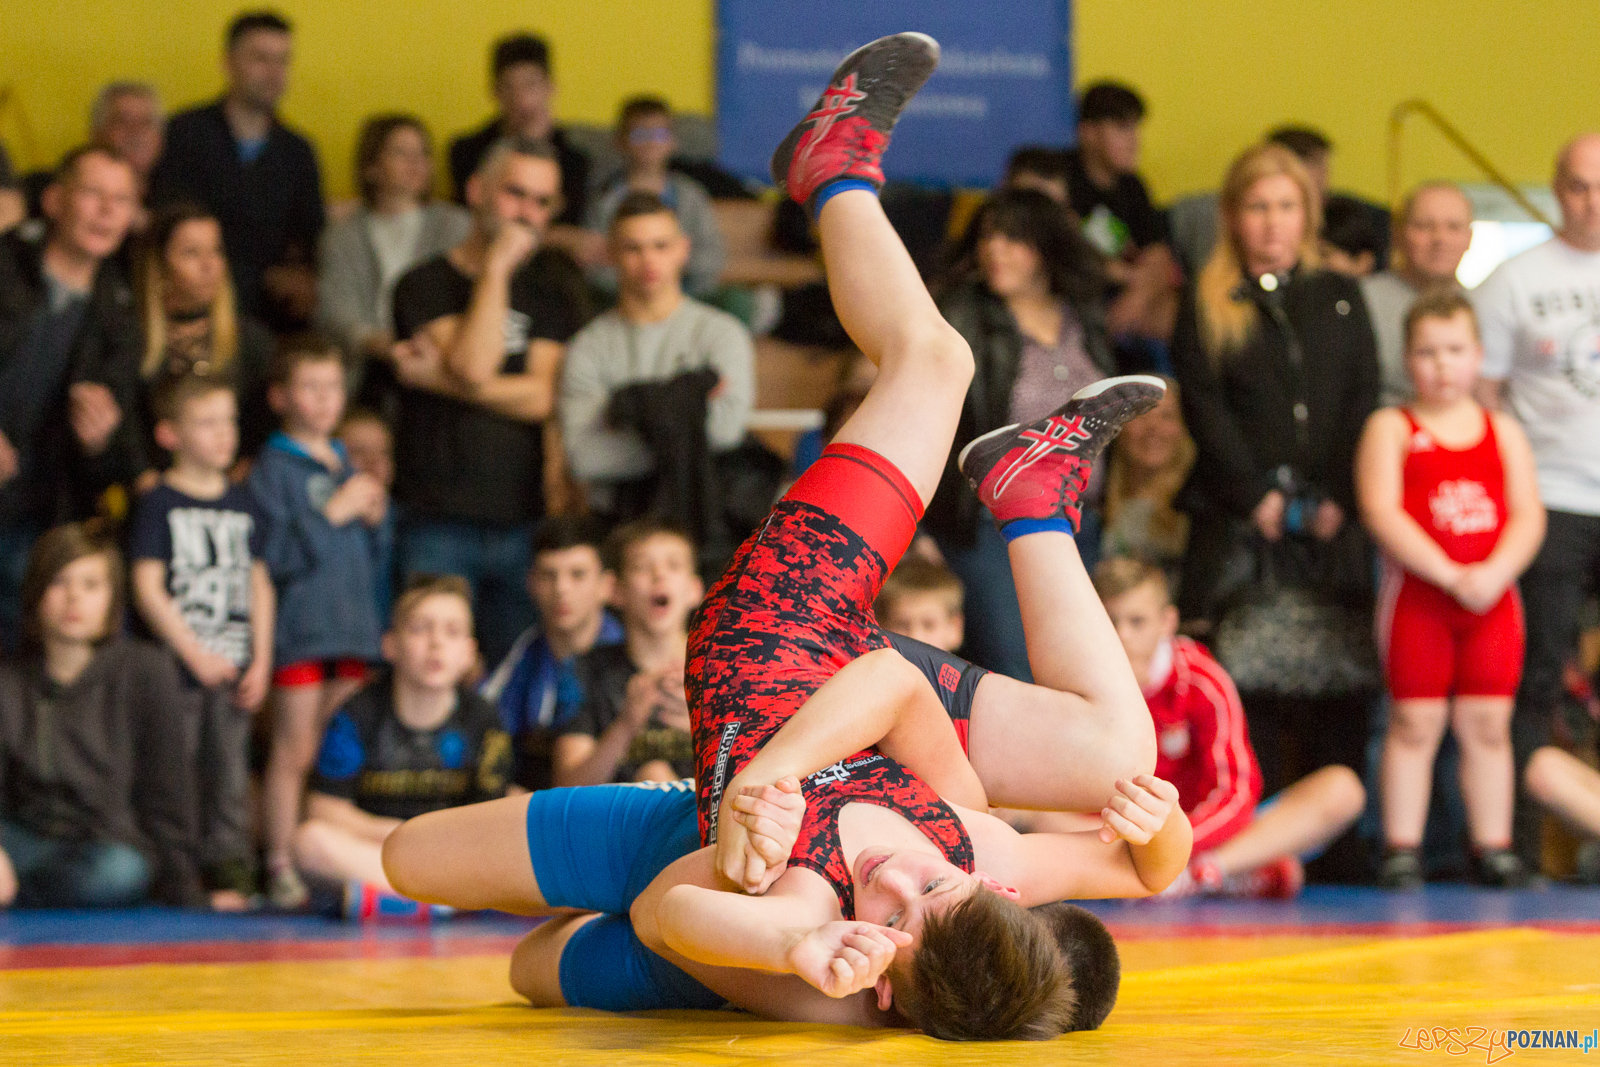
200 586
414 739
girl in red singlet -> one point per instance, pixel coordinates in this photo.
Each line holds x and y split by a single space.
1448 490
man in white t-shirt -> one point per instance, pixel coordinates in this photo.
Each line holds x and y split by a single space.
1540 315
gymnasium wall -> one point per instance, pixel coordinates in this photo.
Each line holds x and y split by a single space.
1516 78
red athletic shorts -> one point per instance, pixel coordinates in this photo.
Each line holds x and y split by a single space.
1435 648
793 608
316 671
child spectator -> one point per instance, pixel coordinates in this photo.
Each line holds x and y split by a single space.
96 792
1041 168
201 587
632 721
1449 492
1150 460
571 585
414 739
369 443
645 137
320 513
923 601
1203 748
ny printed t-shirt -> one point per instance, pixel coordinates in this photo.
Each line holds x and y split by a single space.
375 761
1540 317
208 547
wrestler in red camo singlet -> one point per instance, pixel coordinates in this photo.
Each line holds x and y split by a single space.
1435 647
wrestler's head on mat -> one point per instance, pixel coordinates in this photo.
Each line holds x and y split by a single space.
981 966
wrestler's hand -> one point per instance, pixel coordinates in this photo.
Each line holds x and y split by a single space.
845 957
757 830
1138 810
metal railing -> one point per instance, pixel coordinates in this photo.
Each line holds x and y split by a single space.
1397 122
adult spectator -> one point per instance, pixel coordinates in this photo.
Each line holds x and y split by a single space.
645 137
1540 339
1277 363
521 82
96 794
396 227
1028 296
127 119
237 158
1194 219
1106 192
13 205
482 330
1350 238
1038 167
1431 236
1150 460
654 334
192 325
69 356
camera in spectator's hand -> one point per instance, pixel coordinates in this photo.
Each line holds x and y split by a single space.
1300 513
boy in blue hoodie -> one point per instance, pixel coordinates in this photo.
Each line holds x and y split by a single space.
320 551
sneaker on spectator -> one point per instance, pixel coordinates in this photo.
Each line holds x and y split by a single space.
1588 866
285 890
844 135
1499 868
1282 879
1037 472
365 902
1200 878
1401 870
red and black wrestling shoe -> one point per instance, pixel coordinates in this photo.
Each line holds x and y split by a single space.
1037 472
846 132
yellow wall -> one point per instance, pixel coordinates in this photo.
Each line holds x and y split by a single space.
1516 77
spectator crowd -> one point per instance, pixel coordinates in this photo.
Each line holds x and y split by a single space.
315 517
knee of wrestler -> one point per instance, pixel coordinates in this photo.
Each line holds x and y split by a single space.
404 862
536 964
1542 772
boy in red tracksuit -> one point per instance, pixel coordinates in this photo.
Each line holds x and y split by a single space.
1203 748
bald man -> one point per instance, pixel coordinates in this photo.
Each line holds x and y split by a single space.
1431 234
1540 314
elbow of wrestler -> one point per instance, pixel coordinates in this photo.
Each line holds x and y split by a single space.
402 863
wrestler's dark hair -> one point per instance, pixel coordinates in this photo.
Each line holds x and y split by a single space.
987 970
1091 956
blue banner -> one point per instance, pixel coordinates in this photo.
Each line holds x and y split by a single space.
1004 79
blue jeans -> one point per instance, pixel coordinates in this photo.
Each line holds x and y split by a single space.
16 543
994 621
55 873
494 560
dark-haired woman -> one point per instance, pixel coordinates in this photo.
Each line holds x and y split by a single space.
1027 294
96 794
192 323
396 227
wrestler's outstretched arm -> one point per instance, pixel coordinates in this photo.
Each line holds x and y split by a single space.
794 929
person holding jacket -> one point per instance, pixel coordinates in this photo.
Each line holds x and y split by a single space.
1027 295
1278 369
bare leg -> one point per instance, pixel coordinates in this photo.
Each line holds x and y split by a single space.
1306 816
536 961
1415 729
335 853
1061 745
472 857
299 714
1567 786
1488 778
910 413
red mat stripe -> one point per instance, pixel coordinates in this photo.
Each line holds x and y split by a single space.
38 956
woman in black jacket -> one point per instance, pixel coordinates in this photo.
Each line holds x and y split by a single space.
1279 372
1027 293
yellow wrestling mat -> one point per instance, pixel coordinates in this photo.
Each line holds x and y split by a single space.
1209 1000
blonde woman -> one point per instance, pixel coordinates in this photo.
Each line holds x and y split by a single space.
1150 460
1277 363
192 323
